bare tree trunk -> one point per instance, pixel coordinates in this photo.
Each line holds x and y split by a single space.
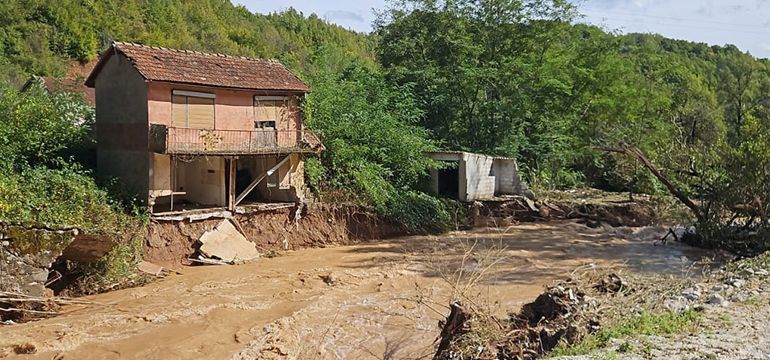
452 328
637 154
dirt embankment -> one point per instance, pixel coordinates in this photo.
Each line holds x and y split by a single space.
505 212
169 243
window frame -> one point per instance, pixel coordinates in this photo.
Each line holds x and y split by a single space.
188 94
276 120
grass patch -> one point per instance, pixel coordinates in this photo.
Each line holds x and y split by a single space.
761 261
644 323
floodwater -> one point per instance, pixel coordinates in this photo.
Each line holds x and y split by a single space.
375 300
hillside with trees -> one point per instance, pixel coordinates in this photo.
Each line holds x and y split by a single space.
575 104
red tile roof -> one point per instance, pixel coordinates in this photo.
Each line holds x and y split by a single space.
193 67
71 85
65 84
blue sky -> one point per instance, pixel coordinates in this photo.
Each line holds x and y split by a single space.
745 23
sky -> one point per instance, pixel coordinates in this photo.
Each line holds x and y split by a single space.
744 23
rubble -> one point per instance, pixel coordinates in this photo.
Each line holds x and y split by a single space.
691 294
715 299
155 270
226 243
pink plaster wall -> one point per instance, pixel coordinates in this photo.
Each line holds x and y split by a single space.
233 109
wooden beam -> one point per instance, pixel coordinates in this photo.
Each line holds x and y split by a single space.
231 192
259 179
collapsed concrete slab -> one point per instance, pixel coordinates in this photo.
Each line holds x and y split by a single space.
226 243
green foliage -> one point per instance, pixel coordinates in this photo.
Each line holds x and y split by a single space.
41 36
59 196
374 150
41 129
643 323
43 139
417 211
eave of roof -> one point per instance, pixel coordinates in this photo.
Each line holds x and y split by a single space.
224 71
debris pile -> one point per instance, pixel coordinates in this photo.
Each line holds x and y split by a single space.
558 314
29 250
16 307
564 313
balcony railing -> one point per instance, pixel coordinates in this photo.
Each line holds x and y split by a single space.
174 140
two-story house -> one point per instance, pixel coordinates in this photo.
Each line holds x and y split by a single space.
191 130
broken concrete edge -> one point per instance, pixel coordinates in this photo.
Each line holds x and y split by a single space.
198 215
225 242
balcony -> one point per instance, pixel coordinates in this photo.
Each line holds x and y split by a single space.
174 140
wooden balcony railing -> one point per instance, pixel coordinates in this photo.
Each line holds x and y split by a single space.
174 140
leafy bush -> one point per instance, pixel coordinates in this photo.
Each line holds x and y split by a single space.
43 139
418 212
58 196
37 128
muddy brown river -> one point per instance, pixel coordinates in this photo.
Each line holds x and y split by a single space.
376 300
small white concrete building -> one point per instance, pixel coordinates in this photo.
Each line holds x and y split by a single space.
476 177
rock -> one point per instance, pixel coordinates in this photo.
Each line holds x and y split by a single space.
740 297
738 283
691 294
748 272
676 304
28 251
761 272
717 288
330 279
715 299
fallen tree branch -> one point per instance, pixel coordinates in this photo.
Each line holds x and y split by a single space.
639 155
28 311
22 298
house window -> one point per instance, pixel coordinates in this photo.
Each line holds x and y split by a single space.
192 110
269 111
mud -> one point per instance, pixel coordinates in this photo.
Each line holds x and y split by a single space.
372 300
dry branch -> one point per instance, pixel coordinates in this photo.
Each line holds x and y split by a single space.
639 155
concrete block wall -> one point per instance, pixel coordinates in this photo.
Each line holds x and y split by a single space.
479 177
508 179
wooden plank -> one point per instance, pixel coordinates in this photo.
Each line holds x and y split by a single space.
259 179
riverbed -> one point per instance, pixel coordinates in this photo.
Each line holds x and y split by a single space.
374 300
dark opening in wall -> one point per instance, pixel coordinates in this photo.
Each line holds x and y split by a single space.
449 181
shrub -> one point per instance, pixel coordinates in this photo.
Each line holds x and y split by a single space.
417 211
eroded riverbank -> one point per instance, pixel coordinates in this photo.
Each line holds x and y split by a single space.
379 300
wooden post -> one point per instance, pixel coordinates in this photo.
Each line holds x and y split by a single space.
231 192
172 182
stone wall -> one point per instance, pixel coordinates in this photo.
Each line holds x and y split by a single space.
26 253
478 177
